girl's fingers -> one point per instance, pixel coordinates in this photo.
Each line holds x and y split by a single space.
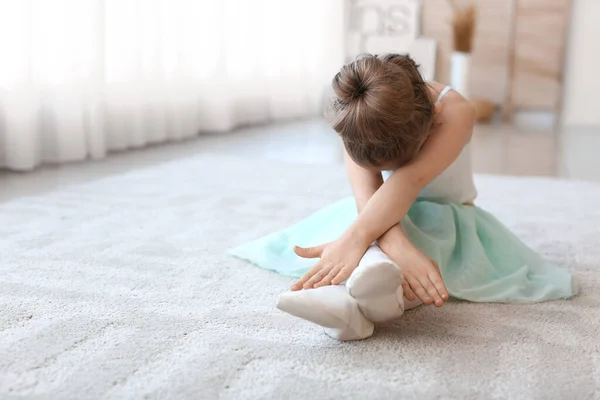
431 290
300 283
309 252
408 292
327 280
419 291
436 278
317 277
439 286
342 276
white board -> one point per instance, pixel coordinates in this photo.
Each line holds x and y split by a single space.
398 19
422 50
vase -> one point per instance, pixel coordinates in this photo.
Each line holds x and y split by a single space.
459 68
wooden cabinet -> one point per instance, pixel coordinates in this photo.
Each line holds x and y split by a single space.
518 54
539 47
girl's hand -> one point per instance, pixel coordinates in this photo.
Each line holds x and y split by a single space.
338 259
410 294
422 278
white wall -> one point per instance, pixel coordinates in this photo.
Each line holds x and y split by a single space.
581 103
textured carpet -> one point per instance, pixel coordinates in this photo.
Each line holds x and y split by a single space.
120 288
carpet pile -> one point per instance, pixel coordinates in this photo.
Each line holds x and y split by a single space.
120 288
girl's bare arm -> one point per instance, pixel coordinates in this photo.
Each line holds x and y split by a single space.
393 199
364 183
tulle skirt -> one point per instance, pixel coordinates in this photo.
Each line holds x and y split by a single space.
480 259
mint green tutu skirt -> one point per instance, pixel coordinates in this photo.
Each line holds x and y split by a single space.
480 260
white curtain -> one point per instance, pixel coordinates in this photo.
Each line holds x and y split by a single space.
80 78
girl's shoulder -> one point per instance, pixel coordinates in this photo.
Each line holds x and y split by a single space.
453 104
455 115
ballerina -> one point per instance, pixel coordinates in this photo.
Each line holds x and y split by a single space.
411 234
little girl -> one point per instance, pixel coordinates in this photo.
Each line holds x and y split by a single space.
411 234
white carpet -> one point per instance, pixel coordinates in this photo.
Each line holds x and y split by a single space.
120 289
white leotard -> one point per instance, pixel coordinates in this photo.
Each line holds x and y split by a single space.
455 184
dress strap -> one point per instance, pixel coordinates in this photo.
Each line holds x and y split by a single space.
443 93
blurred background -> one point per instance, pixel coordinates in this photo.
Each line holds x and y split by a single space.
96 87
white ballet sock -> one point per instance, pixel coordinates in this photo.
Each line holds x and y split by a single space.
332 308
376 285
